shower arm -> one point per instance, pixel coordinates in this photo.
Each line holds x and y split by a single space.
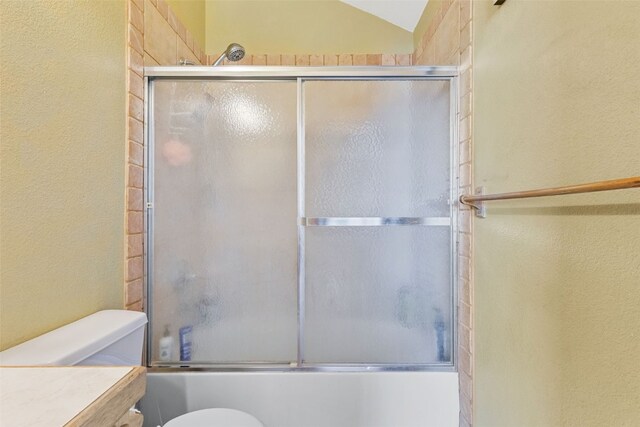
220 59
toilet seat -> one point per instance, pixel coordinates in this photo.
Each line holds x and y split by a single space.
215 417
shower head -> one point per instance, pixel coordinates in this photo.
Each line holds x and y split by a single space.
234 53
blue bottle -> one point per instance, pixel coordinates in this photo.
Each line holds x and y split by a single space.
185 343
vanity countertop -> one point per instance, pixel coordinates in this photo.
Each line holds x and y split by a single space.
68 396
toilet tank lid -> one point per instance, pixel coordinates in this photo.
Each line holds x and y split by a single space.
72 343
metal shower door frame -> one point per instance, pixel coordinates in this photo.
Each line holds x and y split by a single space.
300 75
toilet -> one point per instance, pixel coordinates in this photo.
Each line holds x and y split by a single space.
110 338
222 417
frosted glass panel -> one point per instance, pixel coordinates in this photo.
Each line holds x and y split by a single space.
377 148
378 295
224 260
224 255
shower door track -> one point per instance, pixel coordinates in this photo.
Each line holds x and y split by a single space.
299 75
235 72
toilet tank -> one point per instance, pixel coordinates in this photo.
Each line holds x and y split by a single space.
109 337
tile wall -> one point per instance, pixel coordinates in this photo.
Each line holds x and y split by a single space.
307 60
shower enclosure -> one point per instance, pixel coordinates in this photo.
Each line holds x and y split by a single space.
301 218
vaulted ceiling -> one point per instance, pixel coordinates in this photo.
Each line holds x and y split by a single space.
403 13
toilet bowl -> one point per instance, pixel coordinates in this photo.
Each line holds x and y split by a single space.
215 417
110 338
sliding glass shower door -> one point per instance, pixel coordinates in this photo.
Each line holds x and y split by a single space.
224 253
300 222
377 191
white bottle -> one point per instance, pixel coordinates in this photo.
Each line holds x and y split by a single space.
166 345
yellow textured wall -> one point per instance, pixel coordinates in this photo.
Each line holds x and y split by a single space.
62 161
192 15
557 292
300 26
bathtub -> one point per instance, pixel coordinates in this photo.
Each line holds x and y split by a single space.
309 399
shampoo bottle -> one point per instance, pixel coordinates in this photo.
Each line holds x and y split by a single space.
185 343
166 345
